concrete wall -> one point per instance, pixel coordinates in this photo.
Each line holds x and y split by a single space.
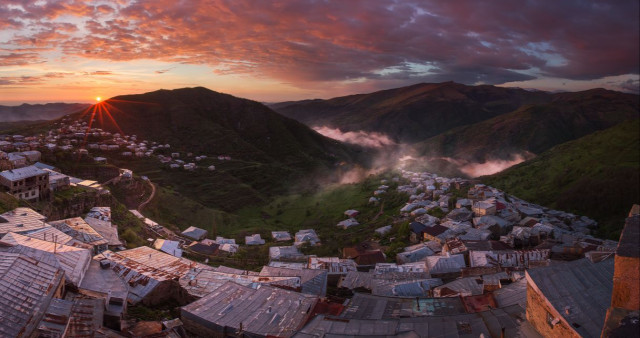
626 281
538 310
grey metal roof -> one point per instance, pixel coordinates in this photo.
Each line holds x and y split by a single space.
86 317
104 283
465 325
74 261
584 287
356 279
199 282
21 220
56 318
404 288
144 268
466 286
26 289
514 293
194 233
314 282
22 173
79 229
263 311
365 306
107 230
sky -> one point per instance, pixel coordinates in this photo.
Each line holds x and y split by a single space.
270 51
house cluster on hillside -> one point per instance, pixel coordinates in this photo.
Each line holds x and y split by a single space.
558 281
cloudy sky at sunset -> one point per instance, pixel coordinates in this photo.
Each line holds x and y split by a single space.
73 51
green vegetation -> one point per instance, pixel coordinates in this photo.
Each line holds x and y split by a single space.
7 202
534 128
597 176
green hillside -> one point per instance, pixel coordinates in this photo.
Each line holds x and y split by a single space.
597 175
414 113
535 128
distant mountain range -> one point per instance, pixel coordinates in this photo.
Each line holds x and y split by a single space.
475 123
35 112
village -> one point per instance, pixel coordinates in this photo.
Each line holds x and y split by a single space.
482 264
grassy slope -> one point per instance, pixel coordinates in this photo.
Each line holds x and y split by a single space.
320 211
413 113
535 128
596 175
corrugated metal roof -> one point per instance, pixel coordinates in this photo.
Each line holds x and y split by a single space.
332 264
144 268
314 282
365 306
21 220
26 289
266 311
195 233
467 286
79 229
403 288
467 325
22 173
514 293
51 234
74 261
56 319
107 230
86 317
280 252
281 235
200 282
580 291
356 279
445 263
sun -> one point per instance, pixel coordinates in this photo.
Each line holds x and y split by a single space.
98 98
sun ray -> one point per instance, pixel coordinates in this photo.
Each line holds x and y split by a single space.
108 113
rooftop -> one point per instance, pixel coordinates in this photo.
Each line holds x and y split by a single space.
21 220
74 261
266 311
27 286
22 173
579 290
629 245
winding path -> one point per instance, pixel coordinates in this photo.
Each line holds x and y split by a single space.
153 194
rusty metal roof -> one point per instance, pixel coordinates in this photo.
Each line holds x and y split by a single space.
26 289
21 220
143 268
200 282
74 261
313 282
56 319
79 229
266 311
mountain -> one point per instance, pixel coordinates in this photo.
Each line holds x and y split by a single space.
534 128
414 113
35 112
269 152
597 175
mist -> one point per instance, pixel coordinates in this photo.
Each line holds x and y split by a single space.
361 138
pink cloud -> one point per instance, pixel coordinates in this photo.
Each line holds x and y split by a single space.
303 42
